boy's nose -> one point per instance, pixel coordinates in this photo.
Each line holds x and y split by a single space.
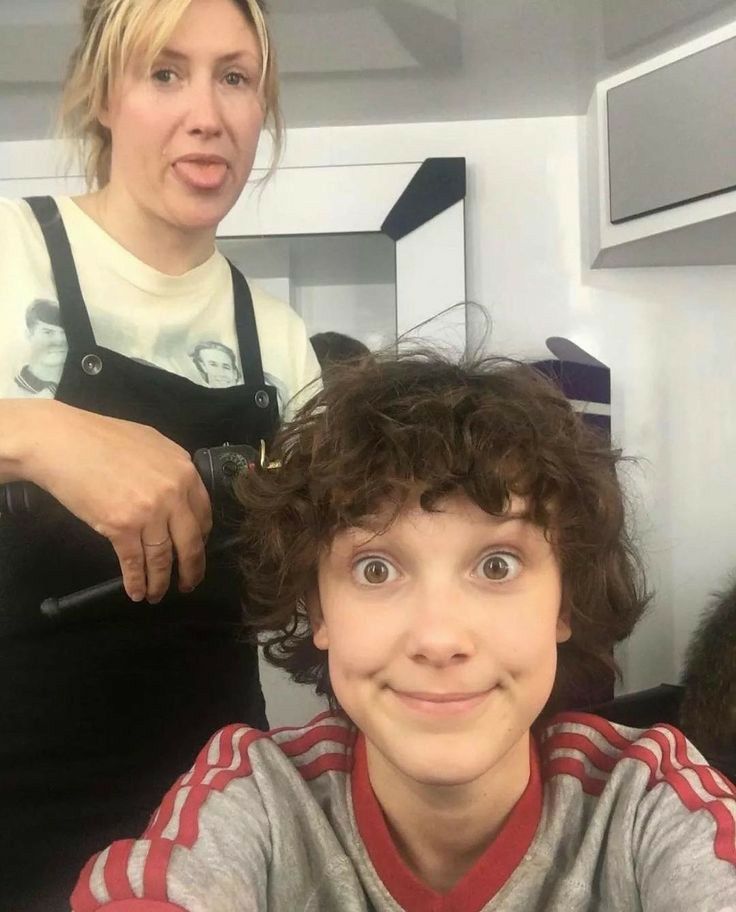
439 634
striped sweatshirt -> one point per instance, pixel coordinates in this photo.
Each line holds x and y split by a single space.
613 819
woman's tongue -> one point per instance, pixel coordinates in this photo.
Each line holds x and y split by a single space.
201 174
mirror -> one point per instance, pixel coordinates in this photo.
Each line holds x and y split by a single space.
342 283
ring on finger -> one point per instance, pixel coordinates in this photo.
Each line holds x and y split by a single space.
155 544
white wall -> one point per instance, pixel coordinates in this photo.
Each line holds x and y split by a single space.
666 333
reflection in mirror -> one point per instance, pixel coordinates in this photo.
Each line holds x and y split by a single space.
336 282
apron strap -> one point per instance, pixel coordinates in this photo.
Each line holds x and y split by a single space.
245 326
74 316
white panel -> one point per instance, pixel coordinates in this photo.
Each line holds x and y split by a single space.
428 284
288 703
38 158
39 186
331 200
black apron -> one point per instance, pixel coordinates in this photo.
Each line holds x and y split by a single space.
100 713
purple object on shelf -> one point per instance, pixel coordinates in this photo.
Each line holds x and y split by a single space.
585 380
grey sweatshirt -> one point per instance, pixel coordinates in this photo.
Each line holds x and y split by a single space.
613 820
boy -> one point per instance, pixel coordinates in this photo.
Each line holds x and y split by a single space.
443 553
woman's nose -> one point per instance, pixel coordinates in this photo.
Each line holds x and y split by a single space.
204 116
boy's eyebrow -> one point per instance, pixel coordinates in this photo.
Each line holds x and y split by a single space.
520 516
378 526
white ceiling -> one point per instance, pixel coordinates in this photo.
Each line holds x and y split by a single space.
384 61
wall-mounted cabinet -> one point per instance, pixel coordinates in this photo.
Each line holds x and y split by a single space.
662 159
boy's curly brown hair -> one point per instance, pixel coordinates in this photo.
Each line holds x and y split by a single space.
387 427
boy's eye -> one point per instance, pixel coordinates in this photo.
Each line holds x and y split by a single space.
500 567
374 571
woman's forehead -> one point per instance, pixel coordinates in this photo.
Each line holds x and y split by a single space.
219 28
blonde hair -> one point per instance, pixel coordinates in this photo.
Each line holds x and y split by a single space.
113 32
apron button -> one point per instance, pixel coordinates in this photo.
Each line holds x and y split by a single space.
92 364
262 399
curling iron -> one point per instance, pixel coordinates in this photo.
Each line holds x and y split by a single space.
219 467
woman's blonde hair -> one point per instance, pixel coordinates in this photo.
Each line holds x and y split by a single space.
113 32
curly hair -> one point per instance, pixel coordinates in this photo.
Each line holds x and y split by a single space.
390 426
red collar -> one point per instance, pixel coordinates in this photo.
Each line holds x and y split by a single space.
484 879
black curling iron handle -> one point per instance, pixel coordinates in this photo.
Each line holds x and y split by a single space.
56 607
19 497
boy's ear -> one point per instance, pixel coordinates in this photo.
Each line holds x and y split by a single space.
316 620
564 630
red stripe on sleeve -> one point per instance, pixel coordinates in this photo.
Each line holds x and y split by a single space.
339 763
199 792
155 868
116 877
82 899
142 905
189 817
703 771
202 766
604 728
569 766
334 733
725 838
575 741
317 719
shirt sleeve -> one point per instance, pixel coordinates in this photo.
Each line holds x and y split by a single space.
685 834
208 845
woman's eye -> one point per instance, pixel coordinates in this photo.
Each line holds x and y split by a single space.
236 79
500 567
165 76
374 571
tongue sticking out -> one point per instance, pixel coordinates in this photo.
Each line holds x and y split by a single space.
201 175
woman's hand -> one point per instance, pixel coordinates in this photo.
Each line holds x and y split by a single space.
129 483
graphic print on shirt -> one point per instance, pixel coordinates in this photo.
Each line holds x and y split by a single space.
216 362
46 353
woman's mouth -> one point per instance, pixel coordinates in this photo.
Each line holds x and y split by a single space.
206 173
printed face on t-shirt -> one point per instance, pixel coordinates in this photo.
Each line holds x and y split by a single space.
218 367
442 635
48 345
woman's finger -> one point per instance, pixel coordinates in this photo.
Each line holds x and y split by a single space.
188 541
201 506
132 565
158 552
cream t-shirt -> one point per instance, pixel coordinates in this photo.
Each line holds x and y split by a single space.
183 324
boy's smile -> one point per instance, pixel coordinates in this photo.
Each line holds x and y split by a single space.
441 634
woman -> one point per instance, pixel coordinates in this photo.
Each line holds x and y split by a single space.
102 402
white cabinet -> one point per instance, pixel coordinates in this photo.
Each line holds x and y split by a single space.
662 159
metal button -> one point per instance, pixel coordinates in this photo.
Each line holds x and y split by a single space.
262 399
91 364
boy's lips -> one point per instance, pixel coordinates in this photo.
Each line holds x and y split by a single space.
441 704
